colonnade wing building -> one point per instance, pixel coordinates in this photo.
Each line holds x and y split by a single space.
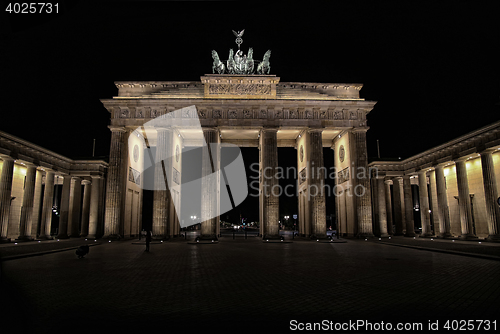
457 189
247 111
45 195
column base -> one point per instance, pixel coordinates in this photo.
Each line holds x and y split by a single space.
398 234
63 236
493 238
23 238
445 235
427 235
273 238
91 236
384 235
4 240
410 235
206 239
45 237
468 237
364 235
115 237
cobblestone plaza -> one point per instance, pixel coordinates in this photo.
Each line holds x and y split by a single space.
246 286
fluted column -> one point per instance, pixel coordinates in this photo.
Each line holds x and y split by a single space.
209 184
464 201
490 196
362 189
115 184
316 184
85 208
388 205
64 216
399 206
5 195
442 199
94 206
424 204
28 201
433 202
269 183
410 225
161 196
75 207
48 200
381 207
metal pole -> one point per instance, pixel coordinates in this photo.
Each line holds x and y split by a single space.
378 149
93 149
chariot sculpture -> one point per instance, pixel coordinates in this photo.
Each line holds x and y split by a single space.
239 63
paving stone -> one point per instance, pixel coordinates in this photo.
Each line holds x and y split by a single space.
243 285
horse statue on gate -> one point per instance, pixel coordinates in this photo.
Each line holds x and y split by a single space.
265 66
217 65
231 65
250 63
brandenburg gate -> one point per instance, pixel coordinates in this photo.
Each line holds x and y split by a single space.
241 104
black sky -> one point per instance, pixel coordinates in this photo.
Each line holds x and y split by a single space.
432 68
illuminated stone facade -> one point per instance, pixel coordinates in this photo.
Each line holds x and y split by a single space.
458 186
247 111
27 212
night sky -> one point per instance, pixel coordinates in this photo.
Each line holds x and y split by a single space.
433 68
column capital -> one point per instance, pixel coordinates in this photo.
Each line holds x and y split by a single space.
315 130
85 182
422 172
269 129
6 157
97 177
360 129
387 180
490 150
207 128
117 128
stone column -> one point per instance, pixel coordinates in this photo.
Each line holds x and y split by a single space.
433 202
399 205
410 225
28 201
464 201
381 206
94 206
5 195
64 217
424 204
86 208
362 185
269 183
115 184
442 199
490 196
161 196
209 184
48 199
75 207
316 184
388 205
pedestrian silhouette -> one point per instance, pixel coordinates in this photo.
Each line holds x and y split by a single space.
82 251
148 240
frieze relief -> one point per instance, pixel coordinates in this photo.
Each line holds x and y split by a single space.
239 89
